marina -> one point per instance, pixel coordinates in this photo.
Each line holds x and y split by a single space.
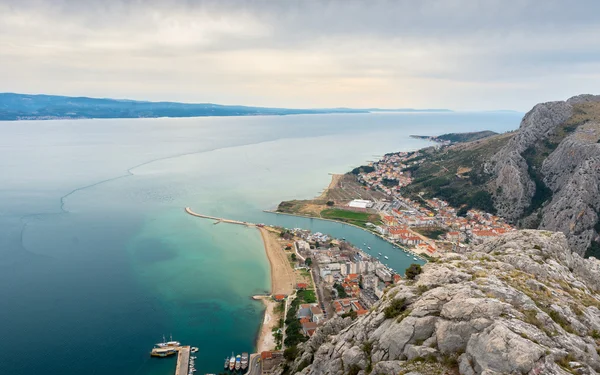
185 362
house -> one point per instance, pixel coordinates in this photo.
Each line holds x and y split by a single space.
270 361
309 328
301 286
316 314
279 297
304 310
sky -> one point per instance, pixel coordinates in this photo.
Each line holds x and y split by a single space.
458 54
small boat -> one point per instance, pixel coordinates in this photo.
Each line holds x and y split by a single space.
386 257
193 349
226 363
415 258
407 254
379 253
369 247
238 362
231 362
244 360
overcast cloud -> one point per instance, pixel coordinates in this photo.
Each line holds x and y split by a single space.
454 54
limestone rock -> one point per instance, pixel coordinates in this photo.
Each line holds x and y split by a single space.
520 304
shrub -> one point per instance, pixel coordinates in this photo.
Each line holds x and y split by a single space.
290 353
397 307
412 271
330 203
352 314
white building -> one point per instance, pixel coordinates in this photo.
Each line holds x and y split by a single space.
360 203
384 274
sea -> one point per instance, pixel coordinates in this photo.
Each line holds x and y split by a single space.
98 259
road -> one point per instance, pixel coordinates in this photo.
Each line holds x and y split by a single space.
254 367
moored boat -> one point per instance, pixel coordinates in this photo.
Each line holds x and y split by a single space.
231 362
226 363
238 362
162 352
166 344
244 361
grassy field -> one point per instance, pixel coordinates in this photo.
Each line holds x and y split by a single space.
352 217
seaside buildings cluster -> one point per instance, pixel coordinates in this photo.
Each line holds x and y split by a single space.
348 280
425 225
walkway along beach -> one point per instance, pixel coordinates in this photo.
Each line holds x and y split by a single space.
282 278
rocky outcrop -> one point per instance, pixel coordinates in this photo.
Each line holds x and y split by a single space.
512 186
571 170
522 303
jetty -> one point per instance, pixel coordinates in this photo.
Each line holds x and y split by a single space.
219 219
183 360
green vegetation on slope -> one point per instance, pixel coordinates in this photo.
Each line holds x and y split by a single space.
466 137
456 175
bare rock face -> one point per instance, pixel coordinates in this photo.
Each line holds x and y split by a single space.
571 172
512 186
520 304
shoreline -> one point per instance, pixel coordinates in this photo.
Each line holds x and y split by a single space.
282 282
335 179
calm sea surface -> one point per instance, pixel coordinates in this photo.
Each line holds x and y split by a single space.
98 259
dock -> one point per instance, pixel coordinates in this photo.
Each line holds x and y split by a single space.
219 219
183 360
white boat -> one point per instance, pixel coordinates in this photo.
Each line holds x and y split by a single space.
407 254
369 247
166 344
415 258
386 257
379 253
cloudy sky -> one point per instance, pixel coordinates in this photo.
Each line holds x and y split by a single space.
460 54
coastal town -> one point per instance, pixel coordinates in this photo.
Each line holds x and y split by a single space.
427 225
315 277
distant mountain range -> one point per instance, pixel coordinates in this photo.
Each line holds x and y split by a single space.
48 107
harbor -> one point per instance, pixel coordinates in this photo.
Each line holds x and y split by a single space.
185 360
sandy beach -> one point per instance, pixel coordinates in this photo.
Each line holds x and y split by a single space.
282 282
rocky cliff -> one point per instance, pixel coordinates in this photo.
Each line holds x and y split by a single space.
547 175
520 304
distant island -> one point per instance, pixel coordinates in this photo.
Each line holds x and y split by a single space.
50 107
457 137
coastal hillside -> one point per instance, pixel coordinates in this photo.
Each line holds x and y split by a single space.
458 137
47 107
41 107
522 303
544 175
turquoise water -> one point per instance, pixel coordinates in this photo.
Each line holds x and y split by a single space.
98 259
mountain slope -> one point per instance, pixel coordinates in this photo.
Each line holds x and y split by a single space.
520 304
544 175
547 175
